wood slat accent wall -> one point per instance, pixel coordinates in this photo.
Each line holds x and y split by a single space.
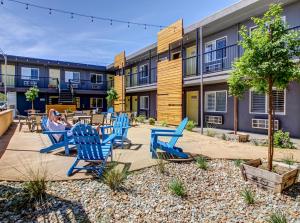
119 85
169 91
169 35
120 60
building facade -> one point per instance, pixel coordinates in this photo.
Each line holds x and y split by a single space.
59 82
164 80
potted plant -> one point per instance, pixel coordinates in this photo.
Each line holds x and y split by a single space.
112 95
31 94
267 63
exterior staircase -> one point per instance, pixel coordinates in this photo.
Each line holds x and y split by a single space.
65 96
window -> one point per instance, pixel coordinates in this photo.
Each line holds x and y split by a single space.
259 102
216 101
144 102
215 50
72 76
96 103
97 78
28 73
144 71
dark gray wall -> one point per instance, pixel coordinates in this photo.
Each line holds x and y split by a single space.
152 103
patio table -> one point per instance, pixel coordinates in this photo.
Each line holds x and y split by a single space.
84 118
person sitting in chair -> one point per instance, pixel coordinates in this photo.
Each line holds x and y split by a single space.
58 122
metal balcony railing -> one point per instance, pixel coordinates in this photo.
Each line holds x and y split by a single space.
141 78
21 81
216 60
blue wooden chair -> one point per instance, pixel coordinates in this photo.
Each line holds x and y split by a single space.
65 141
169 147
90 148
119 129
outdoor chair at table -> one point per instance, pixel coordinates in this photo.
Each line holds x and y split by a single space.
23 120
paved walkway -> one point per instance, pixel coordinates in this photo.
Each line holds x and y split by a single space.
22 153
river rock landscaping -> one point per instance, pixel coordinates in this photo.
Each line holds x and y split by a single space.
212 195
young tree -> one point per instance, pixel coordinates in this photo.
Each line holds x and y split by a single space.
267 62
2 97
112 95
31 94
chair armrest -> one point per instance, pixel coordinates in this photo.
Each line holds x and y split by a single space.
110 138
163 130
166 134
106 127
55 132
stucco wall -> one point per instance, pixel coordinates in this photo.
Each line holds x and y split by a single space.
6 118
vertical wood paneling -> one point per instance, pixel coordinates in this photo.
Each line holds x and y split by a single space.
119 105
120 60
169 91
168 35
169 77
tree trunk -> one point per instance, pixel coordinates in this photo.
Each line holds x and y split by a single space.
235 116
270 126
32 105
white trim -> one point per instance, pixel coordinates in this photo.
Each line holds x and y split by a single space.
97 106
72 80
29 77
97 74
266 105
214 44
215 93
144 96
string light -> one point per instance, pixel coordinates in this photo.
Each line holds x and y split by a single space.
2 2
92 17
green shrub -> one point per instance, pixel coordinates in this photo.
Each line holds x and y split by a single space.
283 140
248 196
177 187
277 217
238 162
210 133
141 119
190 125
114 178
151 121
35 190
164 124
202 162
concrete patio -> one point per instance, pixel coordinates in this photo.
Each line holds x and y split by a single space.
19 152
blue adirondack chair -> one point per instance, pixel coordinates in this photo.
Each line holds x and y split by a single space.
169 147
119 128
65 141
90 148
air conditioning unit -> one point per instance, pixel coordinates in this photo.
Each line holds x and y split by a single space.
30 83
211 119
96 86
263 124
213 67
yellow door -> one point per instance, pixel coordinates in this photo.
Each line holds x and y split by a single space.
134 103
127 103
54 77
192 105
11 71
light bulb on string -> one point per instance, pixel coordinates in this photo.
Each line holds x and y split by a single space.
72 15
2 2
145 26
50 11
111 22
92 19
26 6
128 24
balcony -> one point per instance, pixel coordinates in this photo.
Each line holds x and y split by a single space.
19 82
141 78
215 61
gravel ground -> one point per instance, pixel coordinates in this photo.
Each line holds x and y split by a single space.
212 196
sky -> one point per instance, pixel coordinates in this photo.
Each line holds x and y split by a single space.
36 33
